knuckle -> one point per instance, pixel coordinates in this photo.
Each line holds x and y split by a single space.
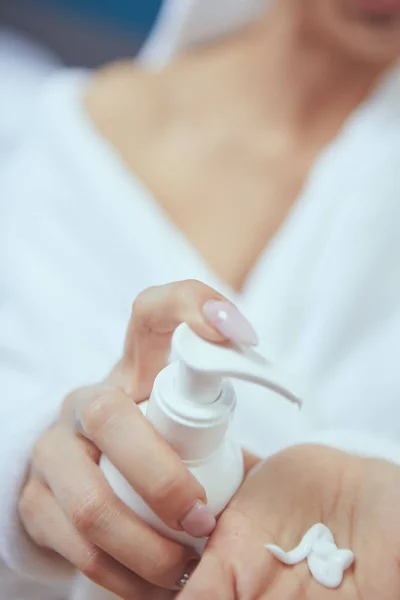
29 502
169 487
92 564
98 411
77 396
92 514
44 448
32 514
140 307
188 291
145 311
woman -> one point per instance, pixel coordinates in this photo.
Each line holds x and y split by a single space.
272 152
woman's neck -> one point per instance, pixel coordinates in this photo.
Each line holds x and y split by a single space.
299 81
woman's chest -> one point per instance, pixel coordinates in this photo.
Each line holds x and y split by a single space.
223 176
227 197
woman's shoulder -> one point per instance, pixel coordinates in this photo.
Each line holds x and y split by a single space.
134 107
126 103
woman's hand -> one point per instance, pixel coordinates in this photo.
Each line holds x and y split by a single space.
358 499
68 507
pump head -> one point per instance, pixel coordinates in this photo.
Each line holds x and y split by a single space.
203 366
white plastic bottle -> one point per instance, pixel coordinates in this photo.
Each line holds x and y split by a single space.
192 405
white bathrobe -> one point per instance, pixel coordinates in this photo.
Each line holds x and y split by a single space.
80 236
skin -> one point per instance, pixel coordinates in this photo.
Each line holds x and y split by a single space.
235 179
67 506
228 183
356 498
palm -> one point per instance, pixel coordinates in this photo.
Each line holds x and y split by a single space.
356 498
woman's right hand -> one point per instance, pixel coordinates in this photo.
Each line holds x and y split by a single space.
67 506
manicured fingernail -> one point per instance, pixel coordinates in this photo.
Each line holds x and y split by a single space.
199 522
226 318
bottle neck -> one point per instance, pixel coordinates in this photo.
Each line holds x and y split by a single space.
194 430
196 387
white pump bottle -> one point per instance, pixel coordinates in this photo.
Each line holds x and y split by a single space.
192 405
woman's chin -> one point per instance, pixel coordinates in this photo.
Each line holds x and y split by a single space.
375 13
385 9
368 30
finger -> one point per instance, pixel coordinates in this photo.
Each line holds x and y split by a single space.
116 426
48 526
156 314
101 518
250 461
210 580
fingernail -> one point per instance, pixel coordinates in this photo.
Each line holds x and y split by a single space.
199 522
226 318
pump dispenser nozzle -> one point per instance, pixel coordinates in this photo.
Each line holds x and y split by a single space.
193 401
204 365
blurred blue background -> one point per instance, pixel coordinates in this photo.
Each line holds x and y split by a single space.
126 14
84 33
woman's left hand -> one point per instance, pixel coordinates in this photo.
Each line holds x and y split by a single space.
357 498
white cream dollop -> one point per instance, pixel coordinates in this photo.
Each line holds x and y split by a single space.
327 563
